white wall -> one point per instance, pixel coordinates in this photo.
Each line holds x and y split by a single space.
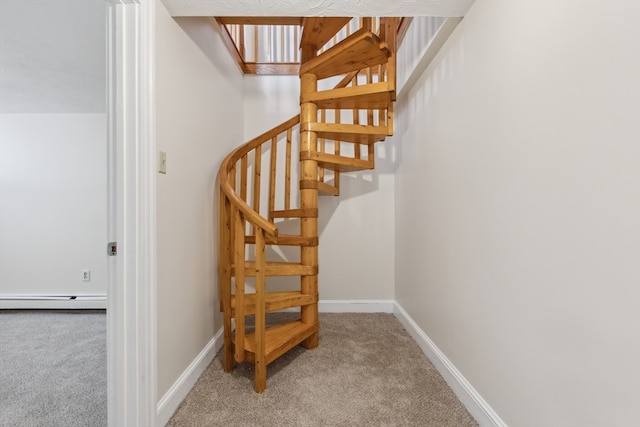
356 228
199 120
269 101
518 199
53 203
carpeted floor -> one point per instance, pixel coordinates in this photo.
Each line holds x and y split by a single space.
367 371
53 368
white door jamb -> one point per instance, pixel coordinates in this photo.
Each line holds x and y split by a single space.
131 292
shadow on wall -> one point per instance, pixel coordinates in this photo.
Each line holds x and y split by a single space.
205 33
416 100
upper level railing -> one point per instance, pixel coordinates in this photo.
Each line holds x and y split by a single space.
271 45
264 45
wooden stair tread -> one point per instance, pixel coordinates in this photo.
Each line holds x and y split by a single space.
317 31
294 213
374 96
327 189
279 339
360 50
337 163
285 240
274 301
359 134
278 269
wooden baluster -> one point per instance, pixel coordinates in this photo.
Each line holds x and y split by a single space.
244 165
241 31
270 38
256 43
239 261
233 182
296 43
365 22
280 56
323 119
369 111
371 154
391 37
260 375
390 119
336 150
257 171
356 121
272 176
287 179
381 113
382 31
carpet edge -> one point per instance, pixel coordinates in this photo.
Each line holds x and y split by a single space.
466 393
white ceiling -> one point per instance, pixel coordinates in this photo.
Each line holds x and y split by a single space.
52 56
317 7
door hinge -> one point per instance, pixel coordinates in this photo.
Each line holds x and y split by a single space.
112 248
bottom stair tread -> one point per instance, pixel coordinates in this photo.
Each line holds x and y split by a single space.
279 339
274 301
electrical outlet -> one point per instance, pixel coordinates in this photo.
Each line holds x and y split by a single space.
86 275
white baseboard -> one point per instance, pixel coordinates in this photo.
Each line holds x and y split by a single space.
356 306
52 301
179 390
470 398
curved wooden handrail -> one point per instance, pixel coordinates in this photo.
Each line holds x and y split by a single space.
232 158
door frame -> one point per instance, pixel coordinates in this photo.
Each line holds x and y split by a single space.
131 289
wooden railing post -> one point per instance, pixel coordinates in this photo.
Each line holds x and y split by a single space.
225 276
239 262
260 362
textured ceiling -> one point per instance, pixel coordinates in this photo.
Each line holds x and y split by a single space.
317 7
52 56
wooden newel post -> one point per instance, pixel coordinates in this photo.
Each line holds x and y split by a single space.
309 200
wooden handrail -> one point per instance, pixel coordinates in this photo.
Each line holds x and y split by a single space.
228 165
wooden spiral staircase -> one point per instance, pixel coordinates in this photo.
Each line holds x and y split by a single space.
261 194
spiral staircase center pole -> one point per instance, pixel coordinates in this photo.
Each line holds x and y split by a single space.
309 200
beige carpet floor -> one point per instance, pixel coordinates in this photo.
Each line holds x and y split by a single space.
53 368
367 371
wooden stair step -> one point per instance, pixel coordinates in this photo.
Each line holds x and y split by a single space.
374 96
294 213
279 339
317 31
337 163
284 240
358 134
325 189
274 301
360 50
278 269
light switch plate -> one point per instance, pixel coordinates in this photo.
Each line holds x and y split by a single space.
162 162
